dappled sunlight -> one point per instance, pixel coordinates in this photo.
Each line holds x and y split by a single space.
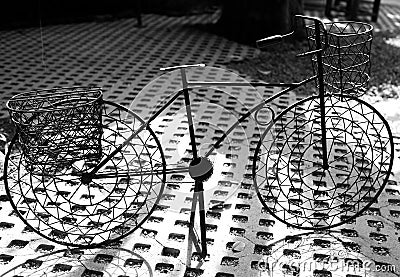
393 16
393 41
383 91
385 99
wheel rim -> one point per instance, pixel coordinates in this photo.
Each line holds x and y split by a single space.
288 174
110 207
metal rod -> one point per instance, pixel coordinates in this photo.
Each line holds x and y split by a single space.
159 111
255 108
182 66
193 210
203 230
134 173
128 140
240 84
192 240
139 13
321 87
340 69
189 113
198 187
117 150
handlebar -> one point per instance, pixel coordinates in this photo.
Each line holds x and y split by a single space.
265 42
182 66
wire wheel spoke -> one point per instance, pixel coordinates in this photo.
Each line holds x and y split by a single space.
64 207
289 171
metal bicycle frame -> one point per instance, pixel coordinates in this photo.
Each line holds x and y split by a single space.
198 195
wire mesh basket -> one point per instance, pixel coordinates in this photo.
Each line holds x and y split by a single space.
58 127
346 58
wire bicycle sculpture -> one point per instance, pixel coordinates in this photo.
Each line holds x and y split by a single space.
83 172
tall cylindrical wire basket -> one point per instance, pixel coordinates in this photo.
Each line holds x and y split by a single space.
346 57
58 127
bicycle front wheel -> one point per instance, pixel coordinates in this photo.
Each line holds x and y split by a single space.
288 171
62 207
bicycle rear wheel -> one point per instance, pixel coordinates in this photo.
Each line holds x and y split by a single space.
288 174
62 208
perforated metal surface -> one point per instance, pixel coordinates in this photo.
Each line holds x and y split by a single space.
241 235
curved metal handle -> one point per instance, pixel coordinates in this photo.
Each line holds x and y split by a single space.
318 22
265 42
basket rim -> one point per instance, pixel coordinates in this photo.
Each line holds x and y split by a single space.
370 28
23 96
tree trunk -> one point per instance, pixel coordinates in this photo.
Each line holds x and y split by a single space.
248 21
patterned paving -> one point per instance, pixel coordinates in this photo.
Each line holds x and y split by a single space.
243 239
389 15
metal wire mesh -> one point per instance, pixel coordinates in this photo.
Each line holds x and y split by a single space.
291 181
119 198
346 58
58 126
